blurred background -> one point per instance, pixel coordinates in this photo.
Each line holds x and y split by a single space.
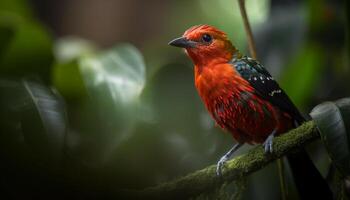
92 99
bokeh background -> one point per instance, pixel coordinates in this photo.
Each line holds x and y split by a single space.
94 100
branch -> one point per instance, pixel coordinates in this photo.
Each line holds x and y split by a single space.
206 180
247 28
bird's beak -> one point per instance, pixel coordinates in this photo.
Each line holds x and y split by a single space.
182 42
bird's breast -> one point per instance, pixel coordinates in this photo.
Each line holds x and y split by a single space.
219 82
220 87
234 105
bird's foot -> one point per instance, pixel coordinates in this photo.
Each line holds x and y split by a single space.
221 164
225 158
268 144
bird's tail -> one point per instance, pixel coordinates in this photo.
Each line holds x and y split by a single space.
308 180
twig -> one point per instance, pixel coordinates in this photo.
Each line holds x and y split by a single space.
283 187
205 180
248 29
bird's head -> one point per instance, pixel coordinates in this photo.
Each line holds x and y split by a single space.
205 44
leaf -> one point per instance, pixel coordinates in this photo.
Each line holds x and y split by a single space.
66 76
28 52
67 79
34 118
118 74
17 7
114 81
332 119
6 35
344 105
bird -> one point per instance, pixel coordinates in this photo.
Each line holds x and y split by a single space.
245 100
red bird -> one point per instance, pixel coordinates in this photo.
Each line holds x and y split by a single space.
238 92
242 96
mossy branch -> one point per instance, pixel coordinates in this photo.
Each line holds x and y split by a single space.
205 180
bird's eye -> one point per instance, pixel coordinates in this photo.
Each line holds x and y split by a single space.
207 38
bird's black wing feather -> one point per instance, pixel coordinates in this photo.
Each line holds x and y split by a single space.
265 86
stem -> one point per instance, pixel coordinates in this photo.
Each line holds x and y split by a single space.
283 187
206 180
248 29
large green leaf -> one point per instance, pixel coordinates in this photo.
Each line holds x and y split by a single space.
332 119
27 50
18 7
114 81
119 73
33 120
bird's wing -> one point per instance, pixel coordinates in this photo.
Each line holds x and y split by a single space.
265 86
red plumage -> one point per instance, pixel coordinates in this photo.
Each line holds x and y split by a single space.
225 94
230 99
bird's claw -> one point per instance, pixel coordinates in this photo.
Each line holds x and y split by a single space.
268 144
220 165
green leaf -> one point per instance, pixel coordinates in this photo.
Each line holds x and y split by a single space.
344 106
67 79
6 35
66 76
18 7
118 74
332 119
114 81
33 118
28 51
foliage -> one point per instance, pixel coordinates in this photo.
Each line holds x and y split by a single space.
332 119
73 115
